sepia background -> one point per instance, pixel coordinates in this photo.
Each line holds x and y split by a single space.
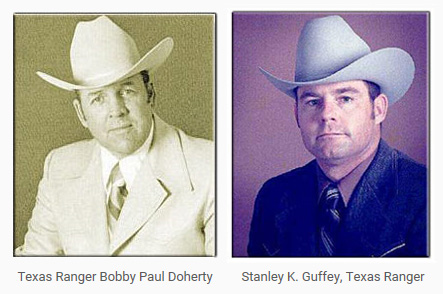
43 114
266 139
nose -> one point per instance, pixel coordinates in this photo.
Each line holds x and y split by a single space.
328 110
117 106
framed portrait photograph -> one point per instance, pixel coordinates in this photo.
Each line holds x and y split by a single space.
114 134
330 134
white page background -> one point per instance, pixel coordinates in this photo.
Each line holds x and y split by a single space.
227 271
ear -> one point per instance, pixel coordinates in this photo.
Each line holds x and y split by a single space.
79 110
296 113
151 94
381 105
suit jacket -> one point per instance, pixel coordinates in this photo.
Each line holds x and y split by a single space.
386 215
169 211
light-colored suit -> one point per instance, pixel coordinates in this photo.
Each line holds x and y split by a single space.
169 211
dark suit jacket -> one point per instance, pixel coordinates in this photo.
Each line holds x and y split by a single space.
386 215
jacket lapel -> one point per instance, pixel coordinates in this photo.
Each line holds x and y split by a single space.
84 206
146 196
297 222
162 173
306 224
368 226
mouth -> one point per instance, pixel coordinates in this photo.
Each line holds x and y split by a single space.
122 128
330 135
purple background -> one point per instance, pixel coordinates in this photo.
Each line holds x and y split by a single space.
267 141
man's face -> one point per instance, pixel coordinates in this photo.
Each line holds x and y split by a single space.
118 116
338 121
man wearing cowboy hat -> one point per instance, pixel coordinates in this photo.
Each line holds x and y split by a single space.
359 197
140 186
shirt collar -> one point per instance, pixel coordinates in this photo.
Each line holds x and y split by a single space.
129 165
348 183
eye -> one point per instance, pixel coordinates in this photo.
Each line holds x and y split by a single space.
312 102
127 92
346 99
97 99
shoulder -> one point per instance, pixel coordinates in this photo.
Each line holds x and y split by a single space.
398 181
408 167
294 185
395 169
293 178
411 175
199 154
69 160
197 148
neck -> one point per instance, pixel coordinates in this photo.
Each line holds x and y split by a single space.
336 170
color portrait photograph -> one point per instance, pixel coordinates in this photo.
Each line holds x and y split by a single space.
330 134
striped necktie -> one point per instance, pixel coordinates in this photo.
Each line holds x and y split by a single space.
331 207
117 195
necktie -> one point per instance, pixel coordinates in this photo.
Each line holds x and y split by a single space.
117 195
330 208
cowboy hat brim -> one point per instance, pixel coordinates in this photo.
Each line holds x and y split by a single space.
150 61
390 68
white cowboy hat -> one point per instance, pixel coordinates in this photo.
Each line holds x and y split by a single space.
330 51
102 54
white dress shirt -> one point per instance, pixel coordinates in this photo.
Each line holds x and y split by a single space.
129 165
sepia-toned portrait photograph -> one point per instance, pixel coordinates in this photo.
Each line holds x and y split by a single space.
330 134
114 133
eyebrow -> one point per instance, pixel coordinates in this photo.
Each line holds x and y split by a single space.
127 83
309 94
346 90
94 93
336 91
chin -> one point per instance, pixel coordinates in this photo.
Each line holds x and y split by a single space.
331 154
124 148
128 150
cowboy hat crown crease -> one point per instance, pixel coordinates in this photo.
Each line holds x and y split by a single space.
102 54
329 51
100 49
327 45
